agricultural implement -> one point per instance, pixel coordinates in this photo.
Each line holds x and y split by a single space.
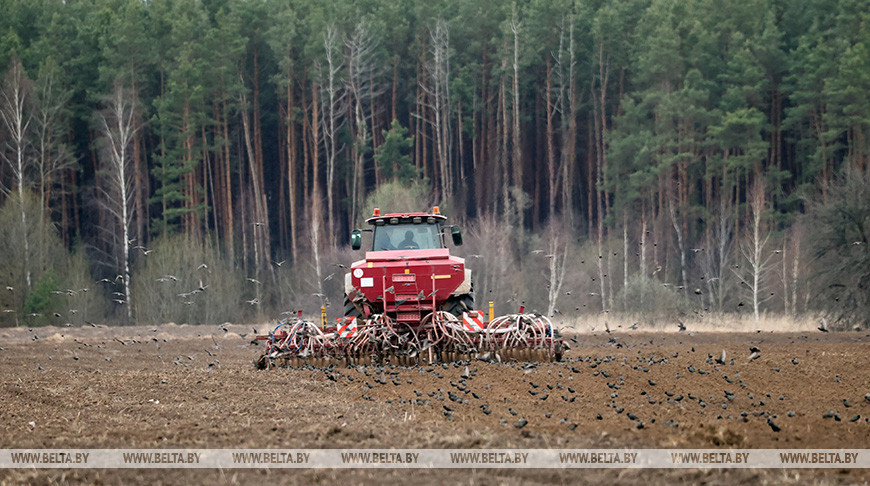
410 303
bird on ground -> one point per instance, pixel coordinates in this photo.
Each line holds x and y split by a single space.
773 425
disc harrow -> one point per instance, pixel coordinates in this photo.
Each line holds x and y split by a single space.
439 337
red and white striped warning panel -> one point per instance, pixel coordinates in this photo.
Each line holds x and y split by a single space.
472 321
348 329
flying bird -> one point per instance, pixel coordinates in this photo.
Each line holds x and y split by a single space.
824 326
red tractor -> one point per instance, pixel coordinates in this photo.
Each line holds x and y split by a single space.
409 272
410 302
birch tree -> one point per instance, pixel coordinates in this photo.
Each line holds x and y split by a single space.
16 116
756 255
117 126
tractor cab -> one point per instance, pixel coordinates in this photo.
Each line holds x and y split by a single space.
407 231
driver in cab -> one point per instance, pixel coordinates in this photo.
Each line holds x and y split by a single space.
408 243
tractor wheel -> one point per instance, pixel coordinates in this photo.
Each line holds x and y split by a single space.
350 310
458 304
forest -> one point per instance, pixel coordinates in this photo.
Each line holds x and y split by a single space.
204 161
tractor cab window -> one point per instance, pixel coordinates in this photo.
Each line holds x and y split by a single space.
406 237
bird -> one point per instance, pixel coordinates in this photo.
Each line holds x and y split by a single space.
773 425
278 264
10 288
824 326
253 280
254 301
681 326
257 223
202 266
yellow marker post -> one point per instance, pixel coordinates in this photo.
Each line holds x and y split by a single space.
491 311
323 316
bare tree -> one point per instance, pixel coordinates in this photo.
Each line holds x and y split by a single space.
316 205
754 250
716 252
117 126
16 117
516 26
334 98
676 221
363 74
260 225
557 262
52 155
435 96
566 106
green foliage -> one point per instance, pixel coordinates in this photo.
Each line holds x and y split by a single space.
41 301
393 156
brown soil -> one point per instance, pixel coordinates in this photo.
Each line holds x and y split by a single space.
99 388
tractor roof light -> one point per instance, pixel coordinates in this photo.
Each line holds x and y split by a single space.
377 212
436 210
394 220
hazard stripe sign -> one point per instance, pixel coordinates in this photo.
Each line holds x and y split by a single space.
348 329
472 321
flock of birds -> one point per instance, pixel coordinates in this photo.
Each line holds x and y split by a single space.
626 379
637 387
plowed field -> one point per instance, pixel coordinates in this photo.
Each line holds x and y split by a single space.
195 386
